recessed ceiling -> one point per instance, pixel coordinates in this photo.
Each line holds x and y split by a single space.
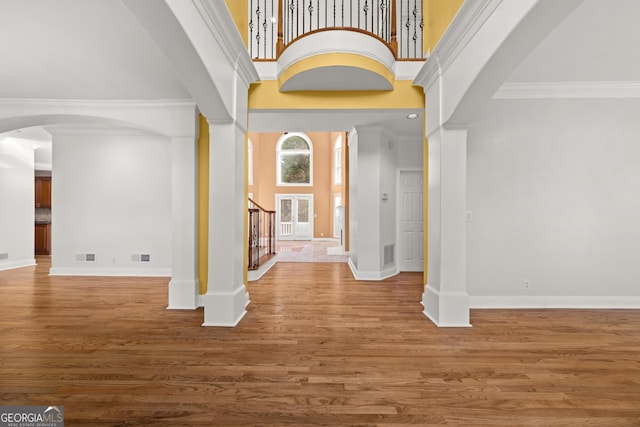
78 49
597 42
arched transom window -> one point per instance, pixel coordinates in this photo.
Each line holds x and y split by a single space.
294 159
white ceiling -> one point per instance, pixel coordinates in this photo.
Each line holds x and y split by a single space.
80 49
336 120
598 42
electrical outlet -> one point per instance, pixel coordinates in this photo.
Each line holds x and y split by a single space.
527 283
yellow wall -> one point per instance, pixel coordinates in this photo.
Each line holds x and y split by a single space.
240 12
437 17
267 95
203 204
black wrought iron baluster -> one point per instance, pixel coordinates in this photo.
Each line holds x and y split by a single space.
365 9
415 29
318 14
292 7
258 13
334 13
408 26
264 27
251 29
298 17
358 13
422 34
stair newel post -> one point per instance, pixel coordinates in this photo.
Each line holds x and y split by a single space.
280 42
393 44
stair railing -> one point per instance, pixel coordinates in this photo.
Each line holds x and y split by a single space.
274 24
262 236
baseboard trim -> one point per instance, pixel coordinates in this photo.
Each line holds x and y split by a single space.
561 302
111 272
9 265
372 275
253 275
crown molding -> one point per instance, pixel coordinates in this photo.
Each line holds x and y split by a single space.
166 104
464 26
220 23
569 90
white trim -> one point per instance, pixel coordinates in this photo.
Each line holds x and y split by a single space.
225 308
294 214
218 19
446 309
283 138
253 275
577 302
161 104
569 90
372 275
462 29
8 265
116 272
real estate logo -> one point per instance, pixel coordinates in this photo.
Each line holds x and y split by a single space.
31 416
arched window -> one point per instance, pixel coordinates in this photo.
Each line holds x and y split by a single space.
337 161
294 158
250 163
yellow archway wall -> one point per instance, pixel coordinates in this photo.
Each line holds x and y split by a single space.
240 12
437 15
203 205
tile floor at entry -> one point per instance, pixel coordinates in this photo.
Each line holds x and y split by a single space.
308 251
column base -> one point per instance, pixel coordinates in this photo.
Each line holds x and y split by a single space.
183 294
446 309
225 308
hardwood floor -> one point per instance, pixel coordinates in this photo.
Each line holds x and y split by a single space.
316 348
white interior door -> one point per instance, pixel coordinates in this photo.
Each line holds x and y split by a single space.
295 216
411 218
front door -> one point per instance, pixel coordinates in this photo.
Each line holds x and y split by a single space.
295 216
411 221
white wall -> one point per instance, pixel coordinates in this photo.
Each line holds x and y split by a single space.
553 189
16 203
111 196
409 153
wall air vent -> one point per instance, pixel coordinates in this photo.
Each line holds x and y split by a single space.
4 255
389 254
86 257
141 257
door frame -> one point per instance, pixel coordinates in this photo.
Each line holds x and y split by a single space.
399 209
294 212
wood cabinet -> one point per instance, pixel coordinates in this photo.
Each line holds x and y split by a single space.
43 239
43 192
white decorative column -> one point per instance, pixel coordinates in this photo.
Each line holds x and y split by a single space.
184 286
445 299
226 299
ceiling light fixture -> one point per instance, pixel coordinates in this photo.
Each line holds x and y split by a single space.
412 116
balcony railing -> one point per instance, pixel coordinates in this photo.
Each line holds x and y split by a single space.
274 24
262 236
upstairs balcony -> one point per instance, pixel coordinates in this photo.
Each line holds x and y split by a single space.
336 44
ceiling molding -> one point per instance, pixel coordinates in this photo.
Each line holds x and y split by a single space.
464 26
218 19
164 105
569 90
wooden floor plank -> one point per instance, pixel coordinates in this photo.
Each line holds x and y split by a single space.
316 348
